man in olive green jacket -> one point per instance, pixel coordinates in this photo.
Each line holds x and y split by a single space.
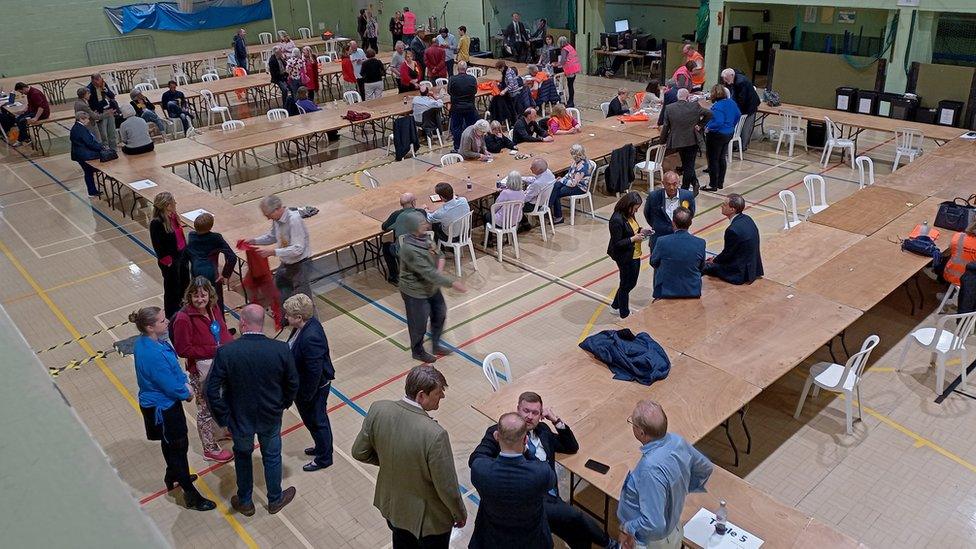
416 489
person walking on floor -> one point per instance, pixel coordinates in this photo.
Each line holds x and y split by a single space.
625 248
252 382
681 125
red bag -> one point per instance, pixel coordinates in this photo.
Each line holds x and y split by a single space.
259 283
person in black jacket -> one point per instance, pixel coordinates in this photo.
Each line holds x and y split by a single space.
361 25
84 146
568 522
276 69
618 106
740 261
625 248
391 250
496 140
528 129
252 382
101 98
967 290
168 242
745 96
203 250
310 349
462 87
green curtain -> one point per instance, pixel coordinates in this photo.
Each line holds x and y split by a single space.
701 33
571 15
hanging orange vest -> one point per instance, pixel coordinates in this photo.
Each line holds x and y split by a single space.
962 250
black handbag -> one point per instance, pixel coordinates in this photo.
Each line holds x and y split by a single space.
107 154
956 214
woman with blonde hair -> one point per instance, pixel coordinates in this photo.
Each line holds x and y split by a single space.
169 242
311 77
511 192
198 330
576 181
718 132
560 122
310 349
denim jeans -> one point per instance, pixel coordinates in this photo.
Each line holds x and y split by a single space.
460 122
560 190
153 118
270 441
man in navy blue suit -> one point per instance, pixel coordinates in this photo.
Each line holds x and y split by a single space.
740 261
661 204
678 259
512 490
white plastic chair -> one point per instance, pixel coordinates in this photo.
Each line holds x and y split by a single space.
451 158
180 76
865 171
281 34
210 77
791 129
834 140
476 72
265 37
150 77
908 143
440 81
265 57
305 33
427 83
491 372
541 210
605 107
817 203
352 97
588 195
322 59
511 213
231 125
947 338
790 217
844 379
373 182
737 137
459 238
947 298
650 166
277 114
575 113
144 87
213 107
389 146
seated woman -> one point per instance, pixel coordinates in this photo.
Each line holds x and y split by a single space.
576 181
496 141
473 142
538 77
651 98
134 132
561 122
304 102
511 192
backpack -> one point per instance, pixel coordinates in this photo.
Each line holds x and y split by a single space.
771 98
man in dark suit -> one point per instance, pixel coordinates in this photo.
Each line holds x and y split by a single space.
578 530
661 204
527 128
740 261
745 96
517 37
252 382
678 259
682 123
310 349
512 490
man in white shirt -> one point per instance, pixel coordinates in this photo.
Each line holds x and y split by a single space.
423 103
454 208
450 44
541 178
288 241
357 56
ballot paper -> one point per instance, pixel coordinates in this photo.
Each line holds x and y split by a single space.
142 184
193 214
701 530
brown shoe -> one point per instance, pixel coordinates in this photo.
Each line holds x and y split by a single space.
286 496
246 510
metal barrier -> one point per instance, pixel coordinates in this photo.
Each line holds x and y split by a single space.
120 48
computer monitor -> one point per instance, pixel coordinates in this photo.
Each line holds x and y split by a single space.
622 25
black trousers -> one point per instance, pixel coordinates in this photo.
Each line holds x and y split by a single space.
689 178
139 150
361 86
716 147
403 539
570 85
316 420
176 278
390 250
629 272
173 440
419 311
578 530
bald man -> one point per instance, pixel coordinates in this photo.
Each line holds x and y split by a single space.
654 492
408 203
252 382
512 490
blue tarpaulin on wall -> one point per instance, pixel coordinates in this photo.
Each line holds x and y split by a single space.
206 15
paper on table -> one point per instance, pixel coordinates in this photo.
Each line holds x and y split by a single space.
142 184
193 214
946 116
842 102
701 530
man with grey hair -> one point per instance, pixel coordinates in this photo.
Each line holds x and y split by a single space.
276 69
288 241
654 492
681 131
463 88
670 96
541 178
743 92
740 261
416 487
395 223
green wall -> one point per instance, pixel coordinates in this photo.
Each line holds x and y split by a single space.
667 19
783 17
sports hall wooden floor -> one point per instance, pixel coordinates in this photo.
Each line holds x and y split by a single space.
906 478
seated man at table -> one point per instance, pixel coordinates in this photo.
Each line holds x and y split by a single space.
541 178
454 208
175 104
391 250
423 103
37 110
304 102
528 129
740 261
618 105
661 203
146 110
569 523
678 259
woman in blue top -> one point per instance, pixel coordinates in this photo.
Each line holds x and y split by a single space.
718 133
162 388
576 181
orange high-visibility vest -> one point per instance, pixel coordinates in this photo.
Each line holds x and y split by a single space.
962 250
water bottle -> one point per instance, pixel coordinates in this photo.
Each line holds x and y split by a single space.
469 183
924 231
721 518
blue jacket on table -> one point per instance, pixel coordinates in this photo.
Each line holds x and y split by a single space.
657 217
84 146
630 357
678 260
161 380
253 380
312 360
740 261
511 512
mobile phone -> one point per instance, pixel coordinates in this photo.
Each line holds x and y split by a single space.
435 198
601 468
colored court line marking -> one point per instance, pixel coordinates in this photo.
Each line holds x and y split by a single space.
78 280
248 540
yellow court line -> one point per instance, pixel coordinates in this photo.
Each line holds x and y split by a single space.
80 280
75 334
599 309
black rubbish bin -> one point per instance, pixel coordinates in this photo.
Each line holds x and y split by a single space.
948 113
925 116
903 107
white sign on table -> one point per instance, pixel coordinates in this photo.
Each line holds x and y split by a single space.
193 214
142 184
701 530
